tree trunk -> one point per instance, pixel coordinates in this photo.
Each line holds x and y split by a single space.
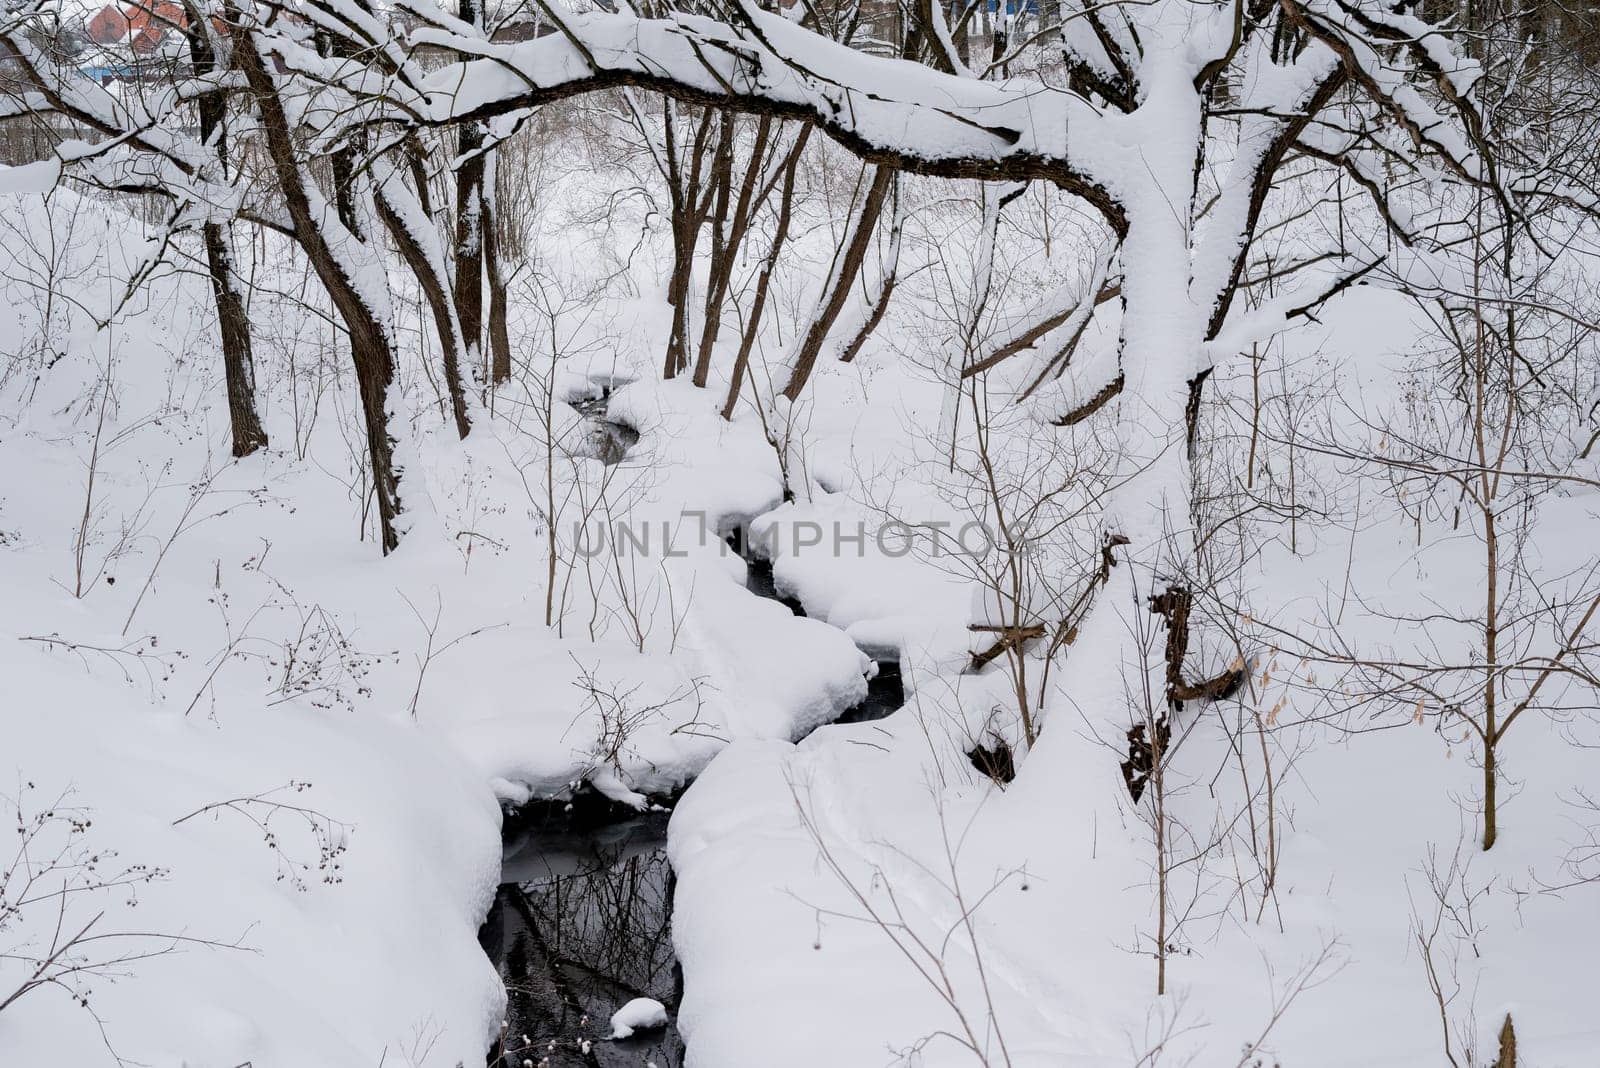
1050 18
851 257
728 235
688 213
238 367
499 337
1491 670
429 274
891 272
780 234
476 259
370 349
470 227
234 323
961 32
1137 624
677 358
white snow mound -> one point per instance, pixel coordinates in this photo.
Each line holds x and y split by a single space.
640 1014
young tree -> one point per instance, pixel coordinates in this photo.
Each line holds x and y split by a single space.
1491 425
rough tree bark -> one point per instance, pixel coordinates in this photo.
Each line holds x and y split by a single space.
430 274
370 348
476 252
237 359
405 217
470 226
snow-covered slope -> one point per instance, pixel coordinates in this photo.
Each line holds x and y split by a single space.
300 743
297 749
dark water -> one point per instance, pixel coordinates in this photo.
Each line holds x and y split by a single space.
759 580
885 693
609 440
582 925
582 922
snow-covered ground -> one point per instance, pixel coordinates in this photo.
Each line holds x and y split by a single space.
307 740
286 755
874 876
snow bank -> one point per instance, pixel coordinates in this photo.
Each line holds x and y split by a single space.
202 694
873 876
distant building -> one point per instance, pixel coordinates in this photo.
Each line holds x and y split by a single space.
140 26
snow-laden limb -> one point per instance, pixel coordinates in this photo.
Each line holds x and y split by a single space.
1065 314
1267 132
139 146
132 121
139 142
1271 317
352 90
1385 51
888 111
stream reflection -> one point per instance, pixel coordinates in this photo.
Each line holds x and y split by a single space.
581 925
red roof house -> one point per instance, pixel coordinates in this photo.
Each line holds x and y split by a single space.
141 25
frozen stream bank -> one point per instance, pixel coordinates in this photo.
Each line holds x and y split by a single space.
582 920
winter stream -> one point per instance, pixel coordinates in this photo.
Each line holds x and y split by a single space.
581 924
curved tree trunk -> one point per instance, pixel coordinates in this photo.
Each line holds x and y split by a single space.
422 254
371 351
